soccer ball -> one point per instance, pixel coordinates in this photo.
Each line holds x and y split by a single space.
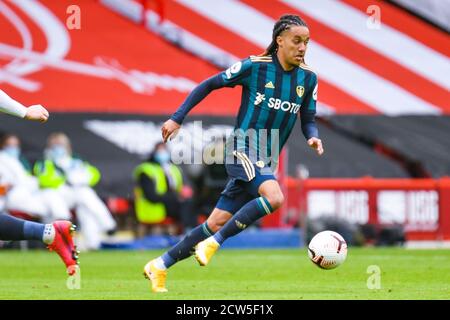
327 249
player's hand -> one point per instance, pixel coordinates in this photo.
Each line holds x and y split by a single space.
316 144
169 127
37 113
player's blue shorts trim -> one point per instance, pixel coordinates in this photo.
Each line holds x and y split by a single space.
245 180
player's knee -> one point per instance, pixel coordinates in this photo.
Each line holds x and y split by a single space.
215 224
276 200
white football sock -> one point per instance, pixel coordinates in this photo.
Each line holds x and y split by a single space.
49 234
159 263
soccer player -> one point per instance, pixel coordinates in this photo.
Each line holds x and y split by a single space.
277 88
58 235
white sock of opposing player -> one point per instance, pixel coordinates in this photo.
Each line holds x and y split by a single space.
49 234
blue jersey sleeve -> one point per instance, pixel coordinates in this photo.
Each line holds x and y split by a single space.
308 110
197 95
238 74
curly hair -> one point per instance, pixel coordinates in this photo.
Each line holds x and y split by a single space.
284 23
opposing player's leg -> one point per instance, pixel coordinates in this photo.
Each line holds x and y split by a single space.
58 236
270 198
64 246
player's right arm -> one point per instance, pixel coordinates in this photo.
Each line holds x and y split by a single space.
237 74
15 108
307 116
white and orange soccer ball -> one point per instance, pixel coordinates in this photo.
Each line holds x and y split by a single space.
327 249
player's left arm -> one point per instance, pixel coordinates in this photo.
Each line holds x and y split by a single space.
15 108
308 115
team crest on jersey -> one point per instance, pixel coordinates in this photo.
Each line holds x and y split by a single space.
300 91
260 164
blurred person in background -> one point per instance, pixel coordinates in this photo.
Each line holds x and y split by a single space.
57 235
24 194
212 178
74 180
160 191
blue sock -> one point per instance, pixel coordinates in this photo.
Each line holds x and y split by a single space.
248 214
33 230
184 248
12 228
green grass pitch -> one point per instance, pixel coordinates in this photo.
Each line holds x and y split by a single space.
232 274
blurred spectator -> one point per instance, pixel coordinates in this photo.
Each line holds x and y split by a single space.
210 181
160 192
23 193
74 178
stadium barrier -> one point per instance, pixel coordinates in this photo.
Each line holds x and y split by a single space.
421 206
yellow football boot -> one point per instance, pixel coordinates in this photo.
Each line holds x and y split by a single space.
205 250
156 276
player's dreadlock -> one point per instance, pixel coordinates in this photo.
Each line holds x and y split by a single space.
284 23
